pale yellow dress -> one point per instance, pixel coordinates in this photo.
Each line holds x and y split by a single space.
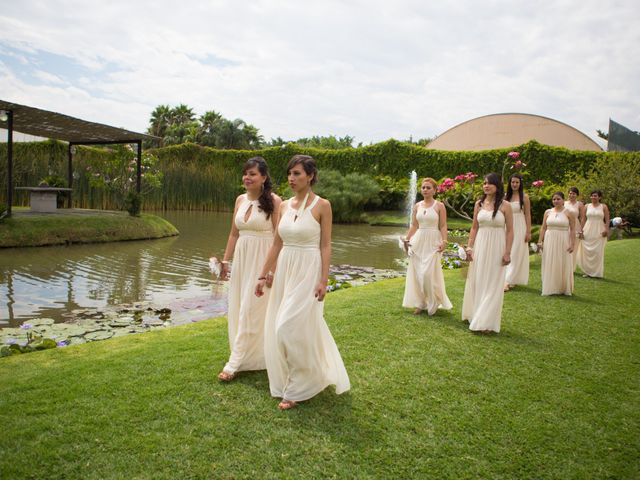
302 357
484 290
574 209
557 262
424 287
590 256
517 272
246 312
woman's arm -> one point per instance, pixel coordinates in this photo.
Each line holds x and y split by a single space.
413 228
275 216
326 220
543 230
473 232
527 218
442 219
508 221
231 242
272 257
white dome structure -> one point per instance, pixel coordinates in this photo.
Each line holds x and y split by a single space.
504 130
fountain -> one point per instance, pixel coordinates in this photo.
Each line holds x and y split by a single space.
411 194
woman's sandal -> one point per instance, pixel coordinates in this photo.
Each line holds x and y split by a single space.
287 404
226 377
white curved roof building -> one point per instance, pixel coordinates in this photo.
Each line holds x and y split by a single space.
503 130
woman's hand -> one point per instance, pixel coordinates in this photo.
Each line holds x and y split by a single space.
320 291
605 233
269 280
527 237
260 287
506 258
469 251
570 249
442 246
224 271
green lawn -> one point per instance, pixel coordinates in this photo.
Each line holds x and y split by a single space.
555 395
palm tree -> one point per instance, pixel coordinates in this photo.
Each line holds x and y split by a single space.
159 121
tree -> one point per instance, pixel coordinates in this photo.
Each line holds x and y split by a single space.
159 122
602 134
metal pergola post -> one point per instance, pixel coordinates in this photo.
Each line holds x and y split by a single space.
9 161
139 167
70 148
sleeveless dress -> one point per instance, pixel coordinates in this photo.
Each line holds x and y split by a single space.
424 287
557 262
246 312
517 272
574 209
484 289
301 356
590 256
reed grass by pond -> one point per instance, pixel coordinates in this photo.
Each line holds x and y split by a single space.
554 395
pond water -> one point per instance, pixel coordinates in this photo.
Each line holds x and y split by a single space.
54 282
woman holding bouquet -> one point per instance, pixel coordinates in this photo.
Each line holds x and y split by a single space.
489 250
557 239
518 270
595 231
425 241
301 356
255 218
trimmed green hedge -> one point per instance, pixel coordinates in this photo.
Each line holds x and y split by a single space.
203 178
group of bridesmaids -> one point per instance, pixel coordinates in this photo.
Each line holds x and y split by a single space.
571 235
284 245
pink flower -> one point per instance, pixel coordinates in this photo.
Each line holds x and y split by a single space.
538 183
459 178
470 176
513 155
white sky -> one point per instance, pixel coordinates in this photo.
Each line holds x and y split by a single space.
373 69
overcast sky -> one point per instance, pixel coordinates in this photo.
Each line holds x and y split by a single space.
370 69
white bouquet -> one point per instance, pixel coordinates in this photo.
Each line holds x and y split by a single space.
215 266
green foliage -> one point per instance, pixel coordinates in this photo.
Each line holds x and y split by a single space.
348 194
133 203
330 142
393 191
618 176
540 199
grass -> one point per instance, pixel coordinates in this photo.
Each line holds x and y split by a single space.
554 395
26 229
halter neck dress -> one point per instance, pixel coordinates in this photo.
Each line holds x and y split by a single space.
517 272
590 256
424 287
484 289
557 262
246 312
574 209
301 355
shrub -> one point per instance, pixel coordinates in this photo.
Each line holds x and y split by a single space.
348 194
133 203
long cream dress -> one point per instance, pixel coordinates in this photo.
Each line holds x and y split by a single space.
590 256
302 357
424 287
557 262
484 290
518 270
246 312
574 209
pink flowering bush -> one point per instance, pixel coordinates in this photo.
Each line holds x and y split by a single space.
538 183
459 193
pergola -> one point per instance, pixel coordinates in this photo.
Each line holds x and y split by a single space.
43 123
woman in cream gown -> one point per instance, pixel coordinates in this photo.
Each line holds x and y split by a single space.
595 231
254 220
557 238
425 241
518 270
575 207
489 250
301 356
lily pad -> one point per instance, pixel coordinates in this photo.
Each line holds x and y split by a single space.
98 335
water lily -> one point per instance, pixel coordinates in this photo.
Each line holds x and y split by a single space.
26 326
61 344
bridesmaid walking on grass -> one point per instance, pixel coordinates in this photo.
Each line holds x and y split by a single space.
595 232
575 208
254 221
518 269
301 356
489 251
425 242
557 238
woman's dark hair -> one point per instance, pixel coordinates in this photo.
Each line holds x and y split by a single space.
574 190
494 179
265 200
597 192
520 190
308 164
559 194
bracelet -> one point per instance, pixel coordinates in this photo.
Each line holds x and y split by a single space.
225 262
262 278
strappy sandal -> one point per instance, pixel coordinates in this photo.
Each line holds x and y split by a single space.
287 404
226 377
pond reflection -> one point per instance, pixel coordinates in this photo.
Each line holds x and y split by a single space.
54 281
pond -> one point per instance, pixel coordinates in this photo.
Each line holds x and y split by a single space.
55 282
